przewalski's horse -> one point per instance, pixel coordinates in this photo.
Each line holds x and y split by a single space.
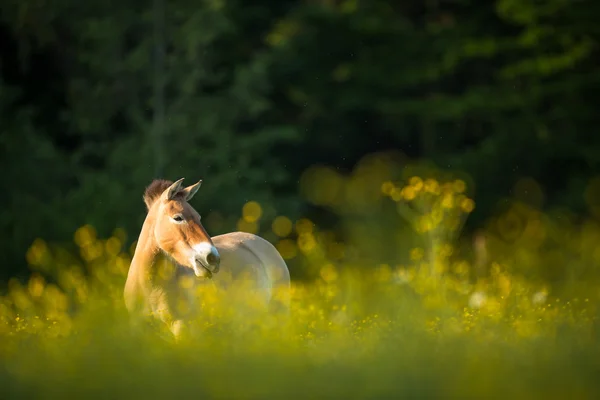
173 239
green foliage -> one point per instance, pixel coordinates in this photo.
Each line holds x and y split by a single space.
32 186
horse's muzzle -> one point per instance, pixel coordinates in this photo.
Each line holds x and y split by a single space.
207 259
202 272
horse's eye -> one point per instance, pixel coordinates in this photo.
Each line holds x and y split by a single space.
178 218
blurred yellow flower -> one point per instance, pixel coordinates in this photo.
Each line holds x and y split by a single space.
409 193
91 251
459 186
306 242
448 201
37 252
36 285
328 273
432 186
396 194
425 224
113 246
85 235
304 225
467 205
416 182
387 187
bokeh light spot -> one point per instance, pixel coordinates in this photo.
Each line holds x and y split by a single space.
282 226
467 205
247 226
37 252
306 242
251 212
328 273
387 187
416 182
321 185
448 201
409 193
459 186
36 285
113 246
432 186
304 225
85 235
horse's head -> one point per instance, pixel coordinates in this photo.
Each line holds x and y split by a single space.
179 232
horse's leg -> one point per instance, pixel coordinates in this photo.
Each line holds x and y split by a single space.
179 329
163 311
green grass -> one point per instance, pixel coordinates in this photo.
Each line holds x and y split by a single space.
353 338
356 330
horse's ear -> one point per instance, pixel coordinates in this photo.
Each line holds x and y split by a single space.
172 190
190 191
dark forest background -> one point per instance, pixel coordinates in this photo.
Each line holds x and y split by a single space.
97 98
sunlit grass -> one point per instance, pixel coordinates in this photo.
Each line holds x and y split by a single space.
359 329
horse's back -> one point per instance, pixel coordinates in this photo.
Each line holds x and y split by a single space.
243 253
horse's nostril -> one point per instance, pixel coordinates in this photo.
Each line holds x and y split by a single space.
212 259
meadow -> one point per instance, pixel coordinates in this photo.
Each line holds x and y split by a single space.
427 324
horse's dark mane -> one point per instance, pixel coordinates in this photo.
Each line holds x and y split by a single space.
154 190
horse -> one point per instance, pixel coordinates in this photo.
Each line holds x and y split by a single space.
174 246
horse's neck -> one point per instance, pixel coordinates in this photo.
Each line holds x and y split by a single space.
153 266
147 253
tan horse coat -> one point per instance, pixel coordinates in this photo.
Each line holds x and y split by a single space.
174 256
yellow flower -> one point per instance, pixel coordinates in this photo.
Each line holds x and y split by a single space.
328 273
448 201
306 242
467 205
304 226
416 183
387 187
424 224
397 194
459 186
432 186
409 193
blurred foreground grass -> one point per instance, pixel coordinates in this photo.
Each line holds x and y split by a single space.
425 327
